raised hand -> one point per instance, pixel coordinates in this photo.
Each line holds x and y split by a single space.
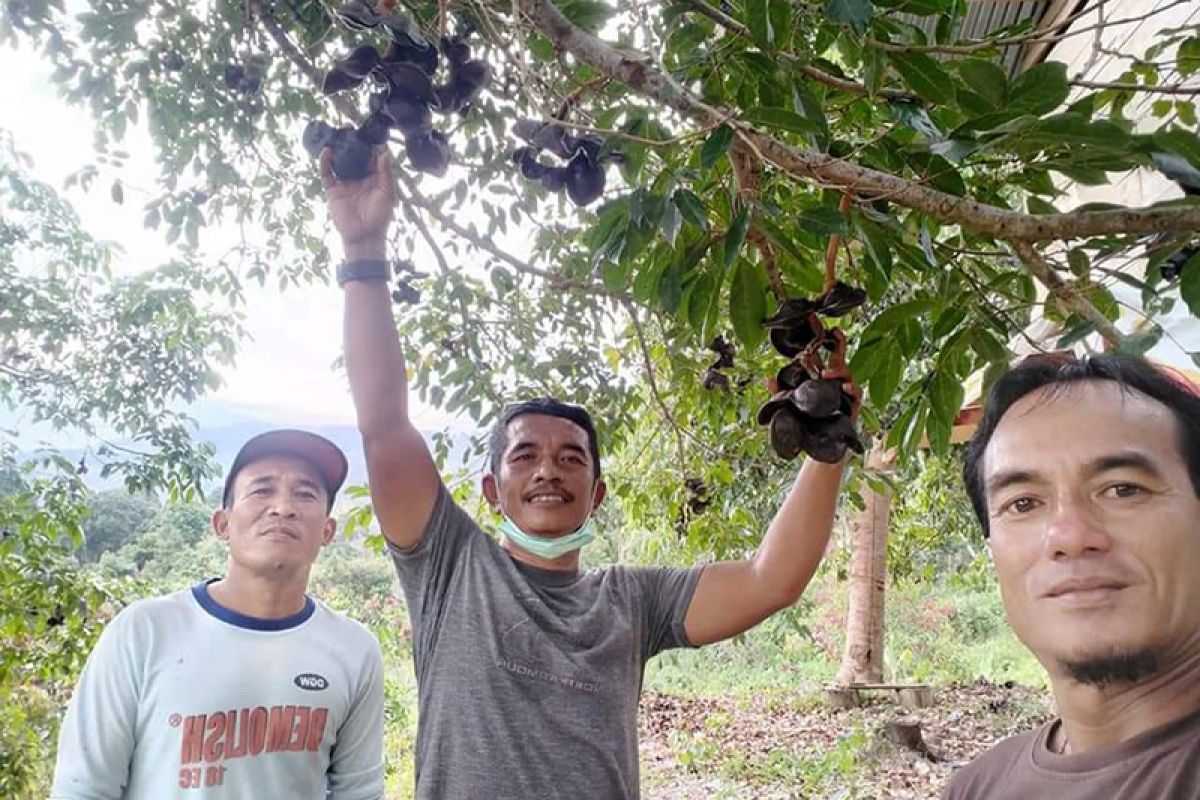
361 210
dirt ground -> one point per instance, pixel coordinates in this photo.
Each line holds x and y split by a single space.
777 749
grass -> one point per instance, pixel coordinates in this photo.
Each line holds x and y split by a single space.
934 633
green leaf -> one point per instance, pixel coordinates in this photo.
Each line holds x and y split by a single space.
1079 262
985 78
916 117
691 207
698 303
670 222
670 287
782 15
1181 142
587 14
938 173
924 76
1039 90
781 118
807 104
1036 205
888 373
748 303
945 396
647 280
758 20
1188 58
822 221
715 146
855 13
736 236
884 325
1189 284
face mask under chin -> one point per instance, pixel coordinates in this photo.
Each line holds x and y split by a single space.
545 547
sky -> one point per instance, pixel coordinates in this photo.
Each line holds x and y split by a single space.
284 370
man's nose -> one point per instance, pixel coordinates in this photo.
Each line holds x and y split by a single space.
1075 528
282 506
547 470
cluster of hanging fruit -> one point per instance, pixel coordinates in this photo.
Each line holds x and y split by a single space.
808 413
405 293
407 96
713 377
584 157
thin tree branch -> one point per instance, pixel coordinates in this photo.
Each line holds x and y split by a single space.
1171 88
640 75
1066 292
652 382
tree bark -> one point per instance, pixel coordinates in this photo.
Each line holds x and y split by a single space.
862 660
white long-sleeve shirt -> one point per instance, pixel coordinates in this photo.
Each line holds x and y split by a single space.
183 699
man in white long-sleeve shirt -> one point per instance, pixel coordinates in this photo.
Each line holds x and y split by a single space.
244 687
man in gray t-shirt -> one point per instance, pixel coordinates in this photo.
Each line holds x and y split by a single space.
528 669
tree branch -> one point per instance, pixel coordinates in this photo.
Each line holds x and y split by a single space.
1066 292
640 75
818 75
648 364
1171 88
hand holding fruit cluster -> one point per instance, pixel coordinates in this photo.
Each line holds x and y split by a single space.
813 406
407 96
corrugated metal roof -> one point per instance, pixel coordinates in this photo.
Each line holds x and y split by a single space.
985 17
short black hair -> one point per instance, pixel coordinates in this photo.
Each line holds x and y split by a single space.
550 407
1131 373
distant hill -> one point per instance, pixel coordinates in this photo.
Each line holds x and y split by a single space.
228 427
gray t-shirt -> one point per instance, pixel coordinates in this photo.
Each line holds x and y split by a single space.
528 679
1160 764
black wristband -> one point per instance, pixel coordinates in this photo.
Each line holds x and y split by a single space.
369 269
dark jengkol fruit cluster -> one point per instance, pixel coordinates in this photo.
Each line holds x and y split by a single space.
807 413
405 293
407 96
245 78
583 174
713 377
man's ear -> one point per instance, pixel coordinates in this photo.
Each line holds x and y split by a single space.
598 494
330 530
491 491
220 524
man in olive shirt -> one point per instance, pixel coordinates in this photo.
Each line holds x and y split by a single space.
1085 475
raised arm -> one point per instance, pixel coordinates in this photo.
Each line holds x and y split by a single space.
403 476
733 596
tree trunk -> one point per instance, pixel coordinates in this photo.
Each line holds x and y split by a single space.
862 661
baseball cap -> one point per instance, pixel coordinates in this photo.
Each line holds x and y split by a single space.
328 459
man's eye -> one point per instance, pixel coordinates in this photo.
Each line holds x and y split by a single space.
1022 505
1123 490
